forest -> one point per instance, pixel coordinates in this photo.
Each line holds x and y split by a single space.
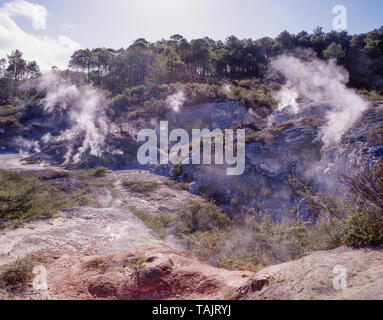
203 61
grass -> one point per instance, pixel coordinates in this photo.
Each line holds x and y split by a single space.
176 185
370 95
140 186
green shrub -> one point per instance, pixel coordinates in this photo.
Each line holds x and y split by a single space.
200 217
23 197
363 228
139 186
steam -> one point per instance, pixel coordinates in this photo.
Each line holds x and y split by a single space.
25 146
176 100
84 107
315 80
226 88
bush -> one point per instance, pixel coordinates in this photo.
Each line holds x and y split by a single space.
252 245
139 186
363 228
23 197
17 273
100 172
200 217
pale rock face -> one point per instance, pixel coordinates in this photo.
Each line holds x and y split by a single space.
286 144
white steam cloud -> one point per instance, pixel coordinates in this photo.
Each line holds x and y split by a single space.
315 80
176 100
84 107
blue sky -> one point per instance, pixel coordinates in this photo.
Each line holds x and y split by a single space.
116 23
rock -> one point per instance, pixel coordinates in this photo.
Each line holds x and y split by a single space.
193 188
154 269
313 276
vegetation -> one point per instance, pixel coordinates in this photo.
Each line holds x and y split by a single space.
199 217
13 71
203 60
23 197
139 186
158 223
18 273
363 228
27 196
146 70
101 172
364 224
176 185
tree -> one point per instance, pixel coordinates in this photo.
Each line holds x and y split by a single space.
4 82
33 70
173 64
334 51
17 66
82 59
317 42
284 41
374 43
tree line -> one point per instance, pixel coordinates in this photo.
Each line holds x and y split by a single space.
206 60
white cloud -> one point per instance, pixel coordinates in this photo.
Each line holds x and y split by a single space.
37 13
45 50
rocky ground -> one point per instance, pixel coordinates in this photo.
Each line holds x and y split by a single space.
109 253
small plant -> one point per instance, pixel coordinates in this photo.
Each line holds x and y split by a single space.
100 172
136 265
17 273
139 186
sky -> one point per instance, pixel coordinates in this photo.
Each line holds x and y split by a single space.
48 31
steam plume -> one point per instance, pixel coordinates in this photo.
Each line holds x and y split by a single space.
176 100
84 107
315 80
